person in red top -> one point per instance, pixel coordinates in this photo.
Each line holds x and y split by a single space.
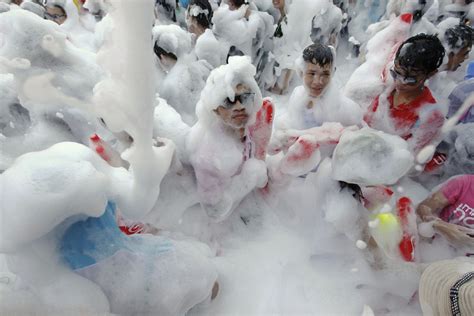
407 108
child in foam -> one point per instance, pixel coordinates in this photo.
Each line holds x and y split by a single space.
225 147
452 209
316 116
317 100
407 107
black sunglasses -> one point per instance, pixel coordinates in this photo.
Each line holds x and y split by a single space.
53 17
245 99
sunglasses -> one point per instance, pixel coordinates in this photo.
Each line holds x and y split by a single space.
53 17
245 99
408 80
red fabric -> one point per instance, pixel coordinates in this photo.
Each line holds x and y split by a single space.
405 115
407 17
437 161
133 229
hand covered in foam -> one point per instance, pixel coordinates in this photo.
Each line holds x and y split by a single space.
256 172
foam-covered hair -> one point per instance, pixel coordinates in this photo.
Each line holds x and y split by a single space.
422 52
172 39
221 84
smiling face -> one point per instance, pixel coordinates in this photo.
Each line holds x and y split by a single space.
316 78
235 113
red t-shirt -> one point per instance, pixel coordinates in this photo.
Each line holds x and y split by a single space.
460 194
405 115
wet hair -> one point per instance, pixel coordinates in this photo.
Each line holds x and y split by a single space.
421 52
204 20
318 54
459 36
159 51
239 3
355 188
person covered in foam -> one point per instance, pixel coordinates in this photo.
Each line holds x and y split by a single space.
318 99
220 147
243 28
199 23
183 76
407 107
66 13
457 41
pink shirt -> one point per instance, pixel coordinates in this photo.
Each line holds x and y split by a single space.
460 194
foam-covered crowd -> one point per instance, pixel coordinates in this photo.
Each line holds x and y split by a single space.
236 157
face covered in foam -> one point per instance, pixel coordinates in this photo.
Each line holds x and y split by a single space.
234 113
56 14
407 79
231 95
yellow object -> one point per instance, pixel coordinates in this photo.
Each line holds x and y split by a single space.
388 222
77 4
387 233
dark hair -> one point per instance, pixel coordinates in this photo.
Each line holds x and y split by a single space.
159 51
233 51
204 20
318 54
355 188
239 3
422 52
459 36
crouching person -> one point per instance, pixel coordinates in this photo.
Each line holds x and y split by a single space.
221 145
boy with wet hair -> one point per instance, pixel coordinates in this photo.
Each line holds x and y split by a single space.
317 100
407 108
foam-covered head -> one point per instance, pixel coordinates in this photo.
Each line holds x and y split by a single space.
62 12
222 84
172 39
199 16
421 52
458 43
370 157
236 4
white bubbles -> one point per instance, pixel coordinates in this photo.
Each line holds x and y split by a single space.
425 154
426 230
374 223
361 244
